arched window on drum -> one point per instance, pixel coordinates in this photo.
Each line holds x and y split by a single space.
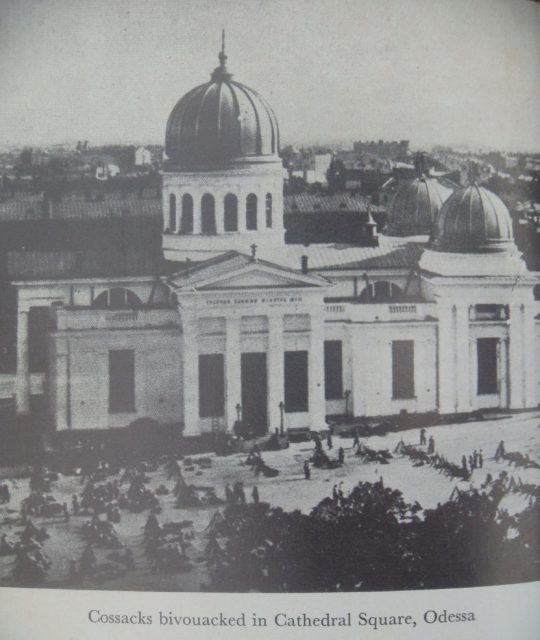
172 213
251 212
230 222
268 210
117 298
381 291
208 214
187 214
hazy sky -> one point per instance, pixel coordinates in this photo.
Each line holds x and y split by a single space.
432 71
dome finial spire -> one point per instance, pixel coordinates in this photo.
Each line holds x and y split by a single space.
221 73
222 55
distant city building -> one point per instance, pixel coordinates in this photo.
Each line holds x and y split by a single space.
150 155
143 156
393 149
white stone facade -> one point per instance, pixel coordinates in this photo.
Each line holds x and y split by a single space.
243 306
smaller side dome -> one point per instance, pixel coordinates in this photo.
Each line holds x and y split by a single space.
415 206
472 220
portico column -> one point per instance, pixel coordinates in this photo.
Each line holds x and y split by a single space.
62 409
521 357
463 359
23 371
233 395
473 359
190 366
276 371
505 373
353 350
446 360
529 364
317 402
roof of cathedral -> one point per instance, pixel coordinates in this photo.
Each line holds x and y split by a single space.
221 122
474 219
392 253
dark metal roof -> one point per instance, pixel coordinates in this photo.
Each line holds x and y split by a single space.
473 219
391 253
313 202
415 205
221 121
35 207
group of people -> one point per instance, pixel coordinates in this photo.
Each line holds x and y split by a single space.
165 545
237 495
101 533
515 457
474 461
96 497
429 442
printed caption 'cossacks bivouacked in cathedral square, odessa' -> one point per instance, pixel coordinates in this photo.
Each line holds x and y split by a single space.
227 318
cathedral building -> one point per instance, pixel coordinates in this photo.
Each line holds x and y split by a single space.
231 322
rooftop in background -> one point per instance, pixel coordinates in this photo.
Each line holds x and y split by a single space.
327 202
30 206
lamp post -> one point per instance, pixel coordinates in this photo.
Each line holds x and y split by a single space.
281 409
346 395
238 411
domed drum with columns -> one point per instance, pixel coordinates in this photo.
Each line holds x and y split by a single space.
223 182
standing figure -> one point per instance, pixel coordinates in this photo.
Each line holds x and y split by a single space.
431 445
500 452
341 455
255 495
307 471
329 441
422 436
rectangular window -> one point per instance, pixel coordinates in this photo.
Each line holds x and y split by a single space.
122 381
402 369
211 385
296 381
333 370
38 333
488 378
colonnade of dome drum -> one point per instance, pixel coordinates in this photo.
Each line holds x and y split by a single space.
231 213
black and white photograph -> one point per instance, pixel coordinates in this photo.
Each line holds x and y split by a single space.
269 295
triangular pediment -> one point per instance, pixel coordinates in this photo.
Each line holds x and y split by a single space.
235 271
251 278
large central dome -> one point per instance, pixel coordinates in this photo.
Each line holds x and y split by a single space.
221 122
